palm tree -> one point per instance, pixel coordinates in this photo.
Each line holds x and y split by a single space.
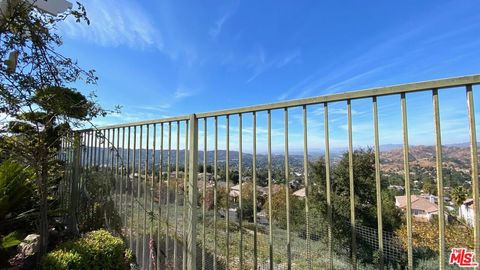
459 195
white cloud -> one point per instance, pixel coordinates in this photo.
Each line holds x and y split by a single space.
217 28
182 93
115 23
261 64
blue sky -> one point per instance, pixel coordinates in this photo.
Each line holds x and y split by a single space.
167 58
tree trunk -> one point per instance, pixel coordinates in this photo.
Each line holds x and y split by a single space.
43 183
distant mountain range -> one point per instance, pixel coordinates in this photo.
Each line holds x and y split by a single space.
391 155
456 156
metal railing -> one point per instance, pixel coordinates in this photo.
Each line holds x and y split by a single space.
150 190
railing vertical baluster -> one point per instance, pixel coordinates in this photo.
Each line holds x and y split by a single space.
307 185
227 182
95 148
122 179
96 152
145 201
132 217
117 157
92 150
82 169
328 187
63 157
240 189
185 183
104 151
474 165
378 184
177 158
68 177
353 225
152 263
287 191
254 177
439 168
204 189
83 136
85 153
406 168
192 194
112 151
106 148
167 203
139 192
215 173
128 187
270 204
160 181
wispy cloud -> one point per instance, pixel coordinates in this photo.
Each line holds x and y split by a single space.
368 62
169 101
217 27
182 93
115 23
261 64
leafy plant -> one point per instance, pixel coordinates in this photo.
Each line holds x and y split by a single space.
96 250
10 240
16 190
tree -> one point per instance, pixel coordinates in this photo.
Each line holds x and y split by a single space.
459 195
279 209
365 197
36 94
429 186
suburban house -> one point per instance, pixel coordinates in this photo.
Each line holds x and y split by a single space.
423 208
300 193
466 211
261 191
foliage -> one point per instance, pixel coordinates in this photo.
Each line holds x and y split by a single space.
10 240
459 195
365 199
279 209
16 193
62 259
222 197
36 94
425 235
97 207
246 212
429 186
96 250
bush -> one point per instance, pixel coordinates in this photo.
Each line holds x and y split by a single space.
62 259
96 250
279 211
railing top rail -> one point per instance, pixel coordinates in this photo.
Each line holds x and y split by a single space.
364 93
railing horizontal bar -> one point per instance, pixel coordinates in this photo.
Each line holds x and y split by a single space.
143 123
365 93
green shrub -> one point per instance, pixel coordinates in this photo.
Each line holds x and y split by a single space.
96 250
62 259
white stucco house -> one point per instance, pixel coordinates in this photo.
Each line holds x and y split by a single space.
466 211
